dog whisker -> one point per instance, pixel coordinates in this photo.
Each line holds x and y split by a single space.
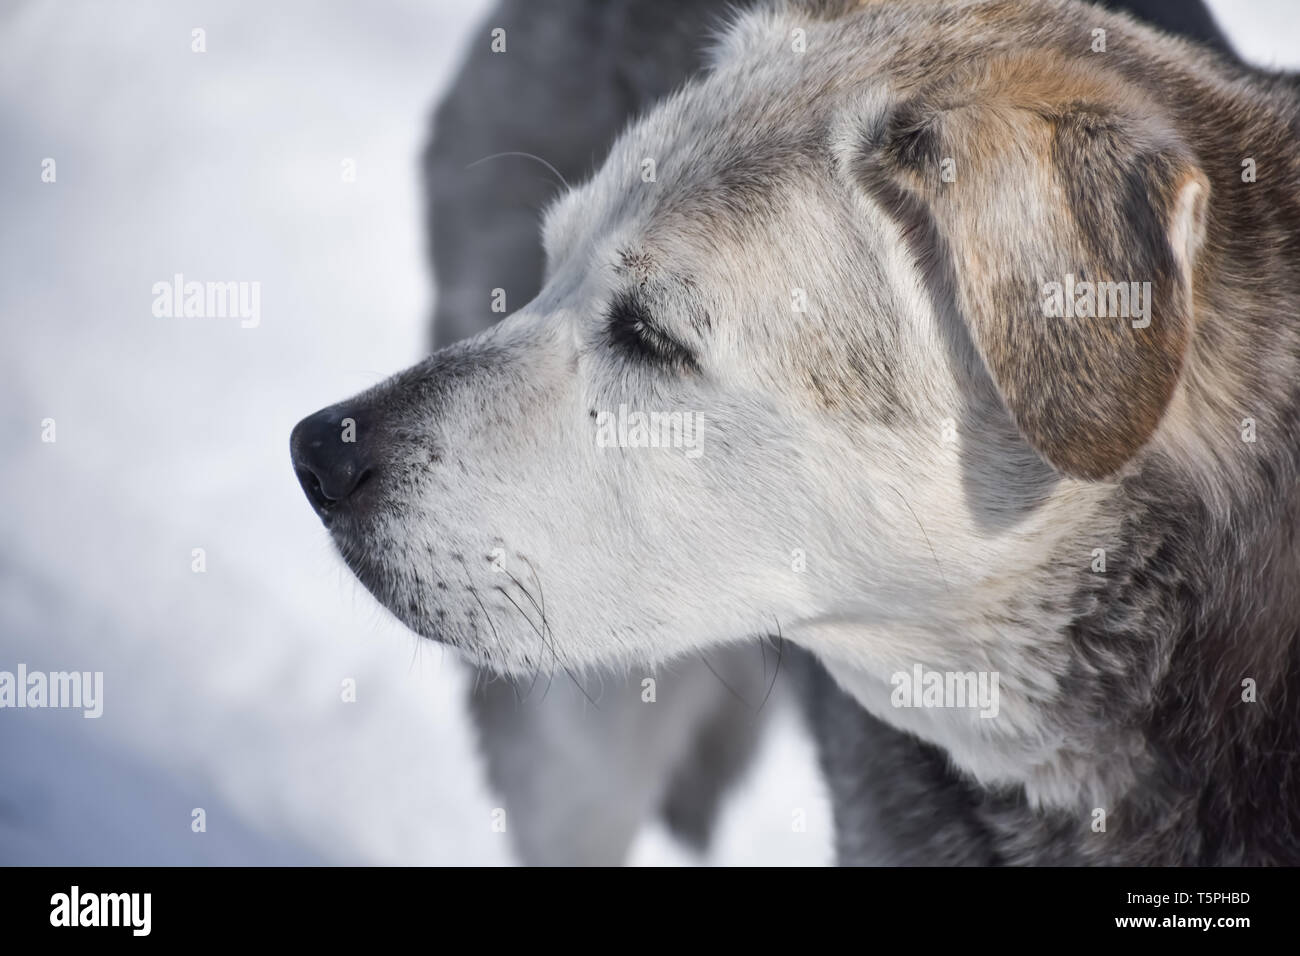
524 155
780 653
730 690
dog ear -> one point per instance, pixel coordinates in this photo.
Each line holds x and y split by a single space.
1023 201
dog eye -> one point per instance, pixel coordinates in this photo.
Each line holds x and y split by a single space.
632 330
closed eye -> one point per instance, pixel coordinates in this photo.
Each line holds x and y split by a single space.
633 331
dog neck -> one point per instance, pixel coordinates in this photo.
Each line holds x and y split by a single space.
1161 686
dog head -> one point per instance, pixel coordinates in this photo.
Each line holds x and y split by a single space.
813 357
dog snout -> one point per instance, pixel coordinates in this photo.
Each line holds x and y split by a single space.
329 458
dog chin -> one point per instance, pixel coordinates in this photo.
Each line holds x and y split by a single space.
375 579
418 613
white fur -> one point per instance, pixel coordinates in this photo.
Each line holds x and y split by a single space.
640 555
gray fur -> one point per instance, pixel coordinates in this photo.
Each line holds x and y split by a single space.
1121 689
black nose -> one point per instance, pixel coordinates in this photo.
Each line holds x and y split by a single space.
328 451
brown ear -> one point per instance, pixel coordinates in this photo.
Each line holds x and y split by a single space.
1038 188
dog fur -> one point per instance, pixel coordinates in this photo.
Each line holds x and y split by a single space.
949 460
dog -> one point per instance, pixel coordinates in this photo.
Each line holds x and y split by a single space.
562 765
845 250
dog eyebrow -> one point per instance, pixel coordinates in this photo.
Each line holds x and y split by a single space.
636 261
640 263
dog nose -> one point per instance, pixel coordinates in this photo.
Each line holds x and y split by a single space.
330 461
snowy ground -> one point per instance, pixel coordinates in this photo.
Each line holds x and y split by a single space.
222 689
